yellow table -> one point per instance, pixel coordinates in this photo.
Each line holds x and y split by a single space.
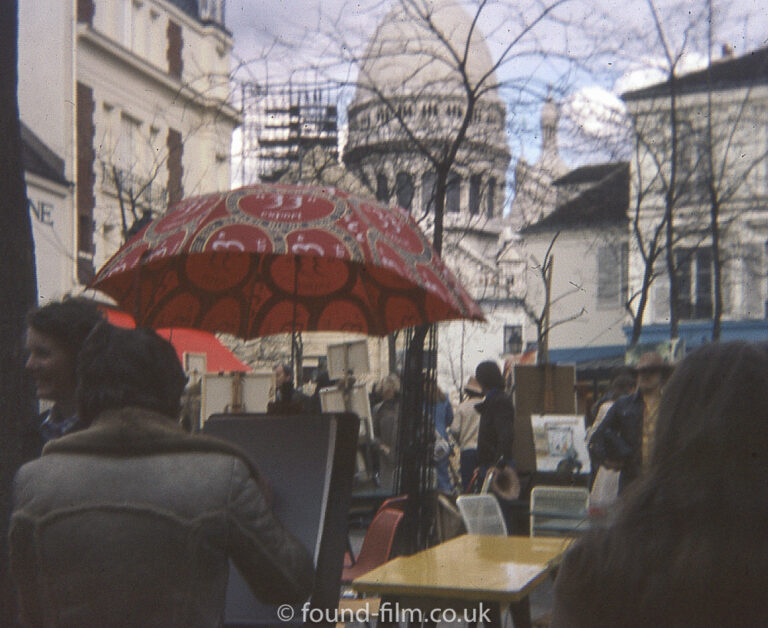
467 570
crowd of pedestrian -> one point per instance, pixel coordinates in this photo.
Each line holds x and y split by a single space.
123 512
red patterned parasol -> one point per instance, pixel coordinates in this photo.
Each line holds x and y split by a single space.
268 259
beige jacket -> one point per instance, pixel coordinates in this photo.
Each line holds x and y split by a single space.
466 423
131 523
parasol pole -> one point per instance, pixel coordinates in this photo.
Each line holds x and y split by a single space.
293 320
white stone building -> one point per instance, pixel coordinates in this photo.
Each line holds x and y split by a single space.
586 238
408 102
132 97
732 94
597 264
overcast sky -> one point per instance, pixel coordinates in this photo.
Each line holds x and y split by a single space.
274 37
743 24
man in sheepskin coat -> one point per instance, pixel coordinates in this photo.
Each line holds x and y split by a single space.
131 522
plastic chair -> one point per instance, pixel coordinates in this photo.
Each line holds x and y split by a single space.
396 502
377 544
559 511
482 514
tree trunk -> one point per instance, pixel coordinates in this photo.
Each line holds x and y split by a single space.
18 291
544 343
637 322
670 201
441 185
714 202
717 266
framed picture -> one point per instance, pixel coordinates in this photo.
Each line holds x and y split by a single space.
557 437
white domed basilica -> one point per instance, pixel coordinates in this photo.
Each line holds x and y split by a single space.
410 100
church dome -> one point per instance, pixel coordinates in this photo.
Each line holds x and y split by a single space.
411 101
406 57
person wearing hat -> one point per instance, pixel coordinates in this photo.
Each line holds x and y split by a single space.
624 440
465 427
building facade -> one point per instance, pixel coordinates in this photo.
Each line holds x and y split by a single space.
584 241
713 161
133 98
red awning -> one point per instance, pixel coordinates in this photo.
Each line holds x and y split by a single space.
218 357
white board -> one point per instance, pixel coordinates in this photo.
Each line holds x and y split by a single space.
554 436
219 392
349 356
332 400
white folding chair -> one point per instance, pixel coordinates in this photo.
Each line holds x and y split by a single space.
482 514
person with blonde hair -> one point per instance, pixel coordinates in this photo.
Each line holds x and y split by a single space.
386 419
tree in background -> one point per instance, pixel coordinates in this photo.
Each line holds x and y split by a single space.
695 174
18 292
732 162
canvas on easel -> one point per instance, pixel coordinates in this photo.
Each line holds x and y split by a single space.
332 400
348 357
236 392
558 437
539 389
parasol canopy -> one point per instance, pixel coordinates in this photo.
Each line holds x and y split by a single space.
268 259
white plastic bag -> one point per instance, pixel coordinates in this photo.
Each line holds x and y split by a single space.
605 488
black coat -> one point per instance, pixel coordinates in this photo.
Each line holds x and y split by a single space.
619 437
495 435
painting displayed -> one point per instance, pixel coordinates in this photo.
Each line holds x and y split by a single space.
558 440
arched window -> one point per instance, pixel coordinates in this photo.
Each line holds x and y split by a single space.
382 188
474 194
490 198
453 193
404 190
428 180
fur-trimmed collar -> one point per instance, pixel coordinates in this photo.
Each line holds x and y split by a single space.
136 431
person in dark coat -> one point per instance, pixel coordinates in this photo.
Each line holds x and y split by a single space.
687 546
622 383
56 332
497 417
495 439
288 400
624 439
132 521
